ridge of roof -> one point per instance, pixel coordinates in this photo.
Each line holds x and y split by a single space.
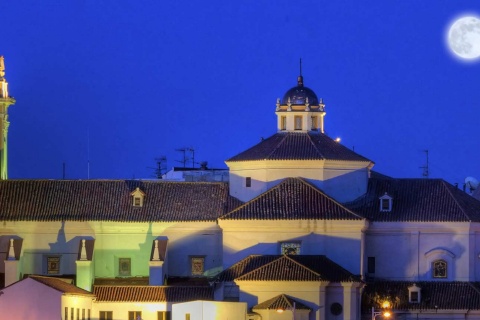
289 181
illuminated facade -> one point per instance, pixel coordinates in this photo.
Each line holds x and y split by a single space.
304 226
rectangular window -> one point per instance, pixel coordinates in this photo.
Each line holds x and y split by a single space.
290 248
164 315
414 297
53 265
385 204
187 316
136 201
88 314
439 269
66 313
78 314
283 123
106 315
124 266
298 122
198 265
83 314
371 264
72 313
248 182
134 315
314 123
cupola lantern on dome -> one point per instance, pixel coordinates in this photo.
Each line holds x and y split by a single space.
300 109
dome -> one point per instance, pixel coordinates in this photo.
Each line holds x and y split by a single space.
299 94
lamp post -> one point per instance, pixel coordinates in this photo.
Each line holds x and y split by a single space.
385 312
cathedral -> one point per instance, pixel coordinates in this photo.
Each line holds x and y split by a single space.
304 229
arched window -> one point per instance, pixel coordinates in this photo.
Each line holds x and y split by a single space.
439 269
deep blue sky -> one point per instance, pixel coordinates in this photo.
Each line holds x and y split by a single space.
139 79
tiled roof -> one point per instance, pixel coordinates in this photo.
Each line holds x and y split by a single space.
61 285
281 302
287 268
110 200
151 293
298 146
417 200
293 198
444 295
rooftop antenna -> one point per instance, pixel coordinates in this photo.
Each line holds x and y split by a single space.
300 77
192 151
88 153
184 161
161 166
425 172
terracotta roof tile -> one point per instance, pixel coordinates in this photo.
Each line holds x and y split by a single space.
287 268
417 200
61 285
444 295
151 293
281 302
293 198
110 200
298 146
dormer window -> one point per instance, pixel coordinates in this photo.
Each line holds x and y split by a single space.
138 197
414 294
386 203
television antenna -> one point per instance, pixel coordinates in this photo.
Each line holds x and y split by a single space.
425 168
161 166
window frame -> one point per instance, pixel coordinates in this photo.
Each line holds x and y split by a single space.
123 262
298 123
197 261
438 273
286 247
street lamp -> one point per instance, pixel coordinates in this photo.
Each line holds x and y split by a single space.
385 313
293 308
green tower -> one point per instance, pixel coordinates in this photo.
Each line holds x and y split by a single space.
5 102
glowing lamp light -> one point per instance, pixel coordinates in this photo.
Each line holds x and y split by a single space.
337 139
386 305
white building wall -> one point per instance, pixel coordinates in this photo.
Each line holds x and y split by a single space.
120 310
342 180
210 310
30 300
405 251
341 240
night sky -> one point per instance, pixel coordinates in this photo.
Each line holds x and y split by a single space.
119 83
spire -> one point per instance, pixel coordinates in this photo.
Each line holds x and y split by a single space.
300 77
5 102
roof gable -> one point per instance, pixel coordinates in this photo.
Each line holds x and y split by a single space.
60 285
292 199
287 268
281 302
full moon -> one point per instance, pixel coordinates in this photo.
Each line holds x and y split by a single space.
464 38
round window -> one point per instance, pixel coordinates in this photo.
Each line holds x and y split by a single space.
336 308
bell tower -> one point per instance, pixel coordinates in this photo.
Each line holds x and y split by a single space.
5 102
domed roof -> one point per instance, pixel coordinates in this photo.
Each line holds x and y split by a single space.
299 94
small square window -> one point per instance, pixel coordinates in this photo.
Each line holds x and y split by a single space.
290 248
197 265
124 266
248 182
53 265
164 315
439 269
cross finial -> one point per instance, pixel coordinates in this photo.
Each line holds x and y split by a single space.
300 77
